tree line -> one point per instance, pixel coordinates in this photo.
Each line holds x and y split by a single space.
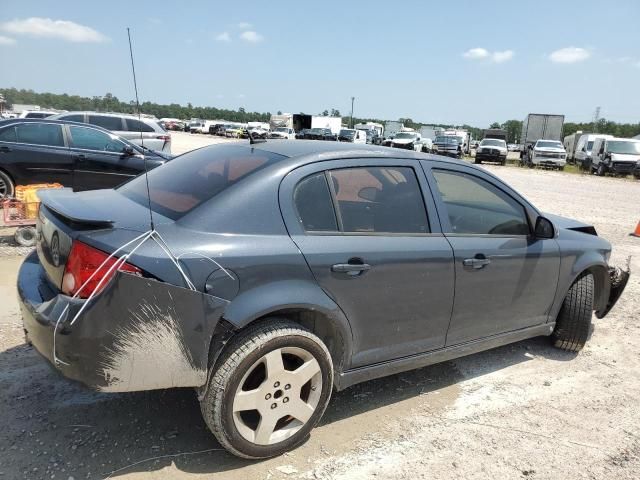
111 103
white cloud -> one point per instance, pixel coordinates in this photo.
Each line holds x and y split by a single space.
251 36
48 28
244 25
224 37
476 53
6 40
479 53
500 57
569 55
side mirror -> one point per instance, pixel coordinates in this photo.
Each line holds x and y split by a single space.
128 151
368 193
544 228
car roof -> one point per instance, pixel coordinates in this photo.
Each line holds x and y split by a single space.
320 149
109 114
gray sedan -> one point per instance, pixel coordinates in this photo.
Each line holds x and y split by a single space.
268 275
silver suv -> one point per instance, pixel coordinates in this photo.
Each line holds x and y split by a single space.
142 131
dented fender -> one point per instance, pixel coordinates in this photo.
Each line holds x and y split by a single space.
138 334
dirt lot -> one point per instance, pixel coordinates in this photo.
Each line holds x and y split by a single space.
521 411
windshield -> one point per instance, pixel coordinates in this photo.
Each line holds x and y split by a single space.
316 130
281 129
548 144
186 182
347 133
589 146
406 135
624 147
446 139
490 142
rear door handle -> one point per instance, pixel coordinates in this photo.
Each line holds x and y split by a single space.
80 157
350 268
4 149
477 262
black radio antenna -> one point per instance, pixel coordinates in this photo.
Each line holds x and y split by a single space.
144 157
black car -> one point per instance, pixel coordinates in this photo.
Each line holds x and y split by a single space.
320 134
76 155
300 135
279 271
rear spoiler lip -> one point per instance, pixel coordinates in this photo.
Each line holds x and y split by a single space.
69 210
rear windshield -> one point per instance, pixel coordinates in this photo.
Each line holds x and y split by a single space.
493 142
187 181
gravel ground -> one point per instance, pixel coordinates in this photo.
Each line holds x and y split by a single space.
521 411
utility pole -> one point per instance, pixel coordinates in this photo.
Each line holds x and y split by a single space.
352 99
596 117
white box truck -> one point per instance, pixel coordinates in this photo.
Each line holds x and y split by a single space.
539 126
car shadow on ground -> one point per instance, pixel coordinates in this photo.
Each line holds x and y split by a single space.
54 426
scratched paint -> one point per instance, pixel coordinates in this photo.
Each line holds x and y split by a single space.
149 353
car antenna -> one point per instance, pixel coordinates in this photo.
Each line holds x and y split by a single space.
144 157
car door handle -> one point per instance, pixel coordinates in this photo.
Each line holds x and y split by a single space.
5 149
477 262
80 157
350 268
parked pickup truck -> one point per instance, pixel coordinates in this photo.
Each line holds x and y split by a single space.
447 145
492 150
547 153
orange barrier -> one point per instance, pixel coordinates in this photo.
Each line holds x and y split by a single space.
636 232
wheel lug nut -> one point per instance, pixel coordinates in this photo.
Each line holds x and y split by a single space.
273 405
276 385
267 396
285 399
287 386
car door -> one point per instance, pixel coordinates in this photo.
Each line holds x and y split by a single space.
100 160
35 152
362 227
506 278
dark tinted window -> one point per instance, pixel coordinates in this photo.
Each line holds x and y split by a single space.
138 126
312 199
74 118
40 134
8 135
92 139
380 199
191 179
37 115
105 121
475 206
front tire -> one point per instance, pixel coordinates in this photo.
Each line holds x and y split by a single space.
269 389
601 170
573 325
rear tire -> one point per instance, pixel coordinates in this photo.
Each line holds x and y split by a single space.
573 325
7 188
266 359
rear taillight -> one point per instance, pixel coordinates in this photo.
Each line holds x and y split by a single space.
83 262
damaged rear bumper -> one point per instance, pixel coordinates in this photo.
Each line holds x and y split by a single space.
618 279
138 334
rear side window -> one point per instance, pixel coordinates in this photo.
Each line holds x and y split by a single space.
475 206
134 125
8 134
380 200
105 121
40 134
186 182
73 118
312 199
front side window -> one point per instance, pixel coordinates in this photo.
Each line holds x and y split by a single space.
106 121
475 206
312 199
379 200
92 139
40 134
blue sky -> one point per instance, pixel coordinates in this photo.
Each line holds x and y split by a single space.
463 62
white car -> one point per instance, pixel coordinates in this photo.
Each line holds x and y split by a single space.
408 141
492 150
284 133
548 153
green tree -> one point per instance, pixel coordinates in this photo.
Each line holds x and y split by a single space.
495 125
